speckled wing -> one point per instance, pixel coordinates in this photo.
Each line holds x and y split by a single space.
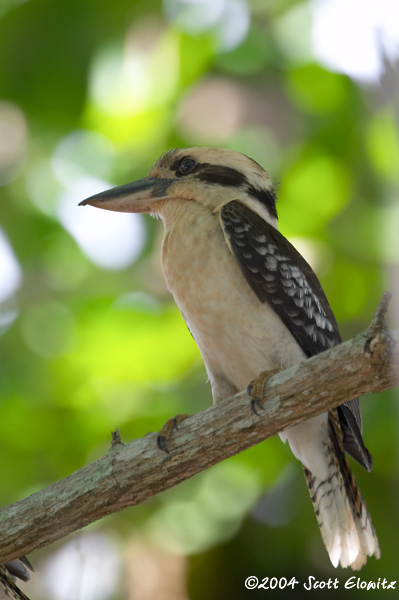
280 276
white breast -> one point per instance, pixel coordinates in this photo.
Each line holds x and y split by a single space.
237 335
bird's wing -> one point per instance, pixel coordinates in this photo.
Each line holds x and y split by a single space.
280 276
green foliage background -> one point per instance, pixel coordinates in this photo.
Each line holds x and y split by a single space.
91 348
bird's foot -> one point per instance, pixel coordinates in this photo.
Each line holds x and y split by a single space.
166 431
256 389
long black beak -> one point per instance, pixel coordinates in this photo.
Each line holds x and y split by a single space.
136 197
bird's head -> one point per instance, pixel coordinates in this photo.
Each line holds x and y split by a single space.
211 177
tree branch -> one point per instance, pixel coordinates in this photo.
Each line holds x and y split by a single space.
129 474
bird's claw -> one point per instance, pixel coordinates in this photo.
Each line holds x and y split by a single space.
258 404
161 443
166 431
256 389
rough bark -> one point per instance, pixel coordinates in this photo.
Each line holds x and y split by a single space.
129 474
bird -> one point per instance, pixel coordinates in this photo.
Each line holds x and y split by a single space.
9 572
254 306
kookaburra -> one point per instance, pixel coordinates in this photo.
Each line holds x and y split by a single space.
253 304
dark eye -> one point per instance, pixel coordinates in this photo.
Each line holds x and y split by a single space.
187 166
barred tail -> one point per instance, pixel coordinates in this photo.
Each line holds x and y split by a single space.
341 512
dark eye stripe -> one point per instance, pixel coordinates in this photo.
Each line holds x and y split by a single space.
227 176
221 175
266 197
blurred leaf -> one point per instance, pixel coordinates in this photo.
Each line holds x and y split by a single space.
196 53
383 145
316 186
49 328
316 90
247 58
120 343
